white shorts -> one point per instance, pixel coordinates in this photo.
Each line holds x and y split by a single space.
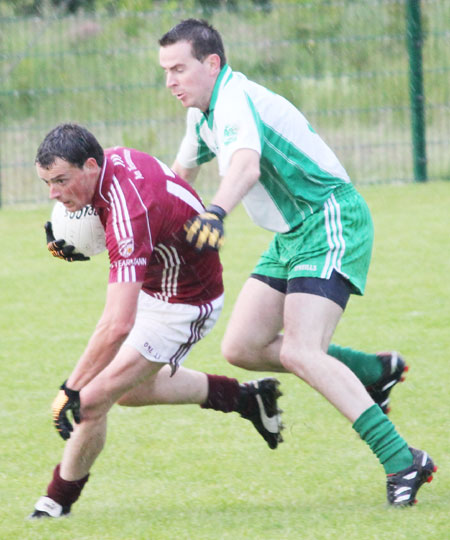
165 332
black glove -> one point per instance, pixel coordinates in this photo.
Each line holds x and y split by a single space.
205 231
66 400
59 248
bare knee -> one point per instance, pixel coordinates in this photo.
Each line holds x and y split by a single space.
94 408
298 360
238 353
232 353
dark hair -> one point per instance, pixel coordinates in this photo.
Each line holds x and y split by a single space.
71 142
203 37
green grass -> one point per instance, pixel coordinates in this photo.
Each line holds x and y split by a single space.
184 473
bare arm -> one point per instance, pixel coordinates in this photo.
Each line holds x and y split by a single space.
186 174
242 174
111 330
206 231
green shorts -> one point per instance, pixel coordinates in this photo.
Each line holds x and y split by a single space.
338 237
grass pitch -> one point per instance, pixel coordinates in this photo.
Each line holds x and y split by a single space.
184 473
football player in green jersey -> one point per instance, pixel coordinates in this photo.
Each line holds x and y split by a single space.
290 182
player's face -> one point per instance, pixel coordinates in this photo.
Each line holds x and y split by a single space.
69 184
189 80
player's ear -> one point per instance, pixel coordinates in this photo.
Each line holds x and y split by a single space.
214 63
91 163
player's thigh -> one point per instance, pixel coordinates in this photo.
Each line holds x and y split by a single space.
187 386
166 333
309 322
257 316
127 370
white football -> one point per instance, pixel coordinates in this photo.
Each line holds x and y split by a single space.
82 229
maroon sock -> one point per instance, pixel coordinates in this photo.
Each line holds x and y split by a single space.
223 393
65 492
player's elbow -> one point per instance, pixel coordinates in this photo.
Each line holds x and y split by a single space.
120 330
252 173
115 332
245 164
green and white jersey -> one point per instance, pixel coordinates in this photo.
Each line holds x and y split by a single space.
299 171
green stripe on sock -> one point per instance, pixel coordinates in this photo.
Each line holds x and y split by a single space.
375 428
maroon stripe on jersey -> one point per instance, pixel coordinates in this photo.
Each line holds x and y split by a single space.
196 329
169 275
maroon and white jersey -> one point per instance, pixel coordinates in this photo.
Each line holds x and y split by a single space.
143 206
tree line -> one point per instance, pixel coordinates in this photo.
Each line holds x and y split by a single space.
69 7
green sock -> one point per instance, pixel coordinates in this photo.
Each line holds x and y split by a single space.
375 428
367 367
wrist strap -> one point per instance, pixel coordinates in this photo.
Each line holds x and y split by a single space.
73 394
217 210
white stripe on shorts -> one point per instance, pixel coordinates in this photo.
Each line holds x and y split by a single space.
335 238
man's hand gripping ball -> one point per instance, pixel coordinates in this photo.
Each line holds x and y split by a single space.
66 400
59 248
206 231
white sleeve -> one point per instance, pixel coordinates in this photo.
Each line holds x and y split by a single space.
193 151
187 152
238 126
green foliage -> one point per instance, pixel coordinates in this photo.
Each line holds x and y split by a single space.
343 63
67 7
184 473
41 7
210 6
20 7
72 6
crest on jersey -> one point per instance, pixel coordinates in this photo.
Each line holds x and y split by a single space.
230 133
126 247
